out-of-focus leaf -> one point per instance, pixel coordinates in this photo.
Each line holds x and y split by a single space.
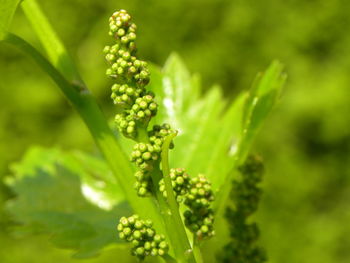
259 102
7 10
261 99
51 199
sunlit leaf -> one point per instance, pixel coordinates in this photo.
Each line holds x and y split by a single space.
199 133
211 133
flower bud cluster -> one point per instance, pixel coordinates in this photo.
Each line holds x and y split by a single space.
141 111
144 239
144 108
199 219
245 197
180 182
143 184
144 155
131 76
158 134
197 195
247 191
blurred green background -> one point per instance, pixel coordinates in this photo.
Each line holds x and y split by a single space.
305 211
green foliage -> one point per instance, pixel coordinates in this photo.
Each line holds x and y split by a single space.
305 143
70 196
261 98
7 10
198 138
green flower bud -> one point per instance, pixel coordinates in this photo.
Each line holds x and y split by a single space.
121 32
140 251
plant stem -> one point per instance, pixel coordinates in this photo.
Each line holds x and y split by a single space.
183 248
54 47
197 251
169 259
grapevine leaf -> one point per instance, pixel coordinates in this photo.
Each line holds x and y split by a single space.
177 82
219 162
211 135
52 198
7 10
261 99
177 92
206 130
198 134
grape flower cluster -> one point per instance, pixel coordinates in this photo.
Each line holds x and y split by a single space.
197 195
130 74
144 239
136 107
199 218
245 196
146 156
180 182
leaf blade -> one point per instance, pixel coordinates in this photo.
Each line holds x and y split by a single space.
262 98
50 200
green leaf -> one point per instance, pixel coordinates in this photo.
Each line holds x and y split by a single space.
177 83
177 93
7 10
212 134
198 134
261 99
206 128
52 198
219 163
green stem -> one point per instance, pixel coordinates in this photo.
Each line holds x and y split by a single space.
85 104
55 49
169 259
197 250
142 135
183 248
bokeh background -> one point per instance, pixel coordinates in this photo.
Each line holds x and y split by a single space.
305 211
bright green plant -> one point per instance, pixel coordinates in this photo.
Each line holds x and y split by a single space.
163 209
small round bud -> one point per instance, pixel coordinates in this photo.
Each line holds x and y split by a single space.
121 32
